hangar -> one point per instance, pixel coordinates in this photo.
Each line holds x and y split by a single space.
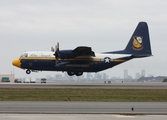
7 78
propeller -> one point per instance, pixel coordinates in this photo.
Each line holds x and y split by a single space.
56 50
52 49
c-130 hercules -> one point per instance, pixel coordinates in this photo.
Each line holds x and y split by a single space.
83 59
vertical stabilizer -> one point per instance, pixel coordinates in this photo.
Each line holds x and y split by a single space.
139 43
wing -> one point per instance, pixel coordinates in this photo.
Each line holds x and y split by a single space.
77 52
83 51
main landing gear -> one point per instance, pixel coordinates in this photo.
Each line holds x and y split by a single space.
74 73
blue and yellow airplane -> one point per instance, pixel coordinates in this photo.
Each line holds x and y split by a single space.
83 59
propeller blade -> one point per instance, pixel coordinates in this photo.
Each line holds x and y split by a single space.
57 54
52 49
57 46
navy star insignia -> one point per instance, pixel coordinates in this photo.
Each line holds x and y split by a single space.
107 60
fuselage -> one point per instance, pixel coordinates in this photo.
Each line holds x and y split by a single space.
46 61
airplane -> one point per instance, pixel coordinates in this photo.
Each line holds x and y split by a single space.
83 59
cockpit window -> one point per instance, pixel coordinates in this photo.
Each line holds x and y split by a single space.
24 55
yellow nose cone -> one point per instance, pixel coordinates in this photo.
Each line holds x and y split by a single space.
16 63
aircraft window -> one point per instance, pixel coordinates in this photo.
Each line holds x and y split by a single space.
24 55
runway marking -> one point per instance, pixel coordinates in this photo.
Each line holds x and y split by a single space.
123 116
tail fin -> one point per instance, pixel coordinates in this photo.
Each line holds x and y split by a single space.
139 43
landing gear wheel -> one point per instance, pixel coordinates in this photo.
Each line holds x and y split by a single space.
78 73
70 73
28 71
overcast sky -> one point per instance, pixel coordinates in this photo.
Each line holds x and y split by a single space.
104 25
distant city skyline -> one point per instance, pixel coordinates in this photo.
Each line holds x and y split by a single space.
101 75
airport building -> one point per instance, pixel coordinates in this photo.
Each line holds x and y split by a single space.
7 78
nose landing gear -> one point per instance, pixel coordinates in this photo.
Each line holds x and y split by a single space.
28 71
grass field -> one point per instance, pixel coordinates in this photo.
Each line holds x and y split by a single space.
62 94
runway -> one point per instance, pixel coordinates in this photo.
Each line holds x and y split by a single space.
125 85
78 117
124 108
23 110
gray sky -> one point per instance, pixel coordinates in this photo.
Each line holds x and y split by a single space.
104 25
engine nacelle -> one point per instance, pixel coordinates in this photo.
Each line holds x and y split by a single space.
66 54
